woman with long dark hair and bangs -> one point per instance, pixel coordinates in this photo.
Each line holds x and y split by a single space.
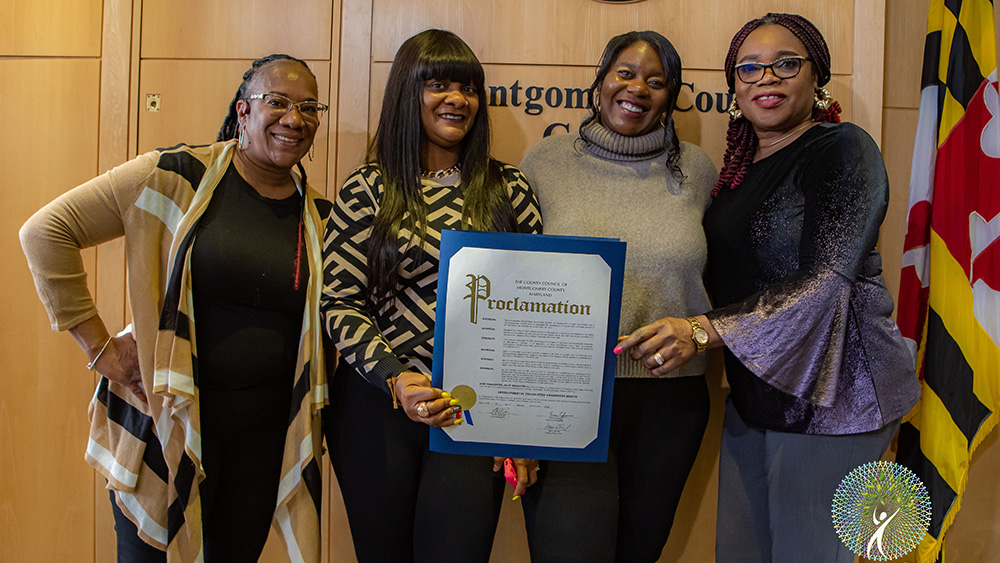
428 169
625 175
819 374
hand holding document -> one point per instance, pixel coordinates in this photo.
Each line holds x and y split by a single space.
524 332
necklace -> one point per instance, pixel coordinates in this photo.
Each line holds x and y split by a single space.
794 131
298 245
443 173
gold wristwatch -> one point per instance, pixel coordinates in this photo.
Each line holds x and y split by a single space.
698 334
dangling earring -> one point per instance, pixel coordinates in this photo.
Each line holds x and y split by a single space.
734 111
823 99
663 120
312 151
597 104
242 137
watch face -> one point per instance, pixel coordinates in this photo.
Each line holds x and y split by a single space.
700 336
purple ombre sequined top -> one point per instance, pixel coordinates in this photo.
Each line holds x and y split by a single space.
802 307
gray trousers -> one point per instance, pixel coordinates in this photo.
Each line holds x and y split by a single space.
776 491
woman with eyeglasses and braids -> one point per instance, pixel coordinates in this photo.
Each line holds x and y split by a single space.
818 371
209 436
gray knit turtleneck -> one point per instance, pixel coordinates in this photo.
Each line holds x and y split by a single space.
604 143
608 185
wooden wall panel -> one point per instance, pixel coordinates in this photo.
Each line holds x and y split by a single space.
692 537
50 28
113 149
510 545
46 488
352 99
905 30
975 535
897 150
339 546
574 32
868 74
333 88
235 29
194 99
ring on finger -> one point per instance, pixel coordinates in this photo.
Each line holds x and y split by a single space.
658 359
422 411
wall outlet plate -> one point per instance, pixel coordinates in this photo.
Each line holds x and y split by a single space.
152 102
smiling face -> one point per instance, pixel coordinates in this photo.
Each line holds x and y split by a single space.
448 113
774 105
634 91
277 139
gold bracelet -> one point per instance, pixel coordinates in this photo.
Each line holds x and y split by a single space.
90 366
391 382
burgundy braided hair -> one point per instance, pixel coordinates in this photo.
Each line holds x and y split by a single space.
741 140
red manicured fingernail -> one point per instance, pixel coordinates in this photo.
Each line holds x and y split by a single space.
618 350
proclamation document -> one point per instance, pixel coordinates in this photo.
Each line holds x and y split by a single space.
523 337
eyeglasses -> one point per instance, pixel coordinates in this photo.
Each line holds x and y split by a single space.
309 110
785 67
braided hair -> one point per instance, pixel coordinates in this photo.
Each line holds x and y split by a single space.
231 126
741 139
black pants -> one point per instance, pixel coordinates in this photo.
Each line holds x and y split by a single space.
622 510
404 502
238 496
131 548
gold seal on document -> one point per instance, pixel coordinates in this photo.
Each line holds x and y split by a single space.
466 396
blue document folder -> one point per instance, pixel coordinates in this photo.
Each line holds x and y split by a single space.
513 361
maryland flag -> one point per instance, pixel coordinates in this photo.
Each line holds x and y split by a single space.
949 296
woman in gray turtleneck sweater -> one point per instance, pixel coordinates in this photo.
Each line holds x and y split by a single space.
626 176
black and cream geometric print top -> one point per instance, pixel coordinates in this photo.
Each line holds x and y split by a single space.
400 337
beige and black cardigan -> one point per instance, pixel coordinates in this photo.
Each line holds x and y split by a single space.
151 455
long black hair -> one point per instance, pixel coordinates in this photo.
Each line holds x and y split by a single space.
231 125
395 149
671 62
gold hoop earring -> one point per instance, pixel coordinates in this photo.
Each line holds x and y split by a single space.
597 103
822 99
663 120
241 139
734 111
312 151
